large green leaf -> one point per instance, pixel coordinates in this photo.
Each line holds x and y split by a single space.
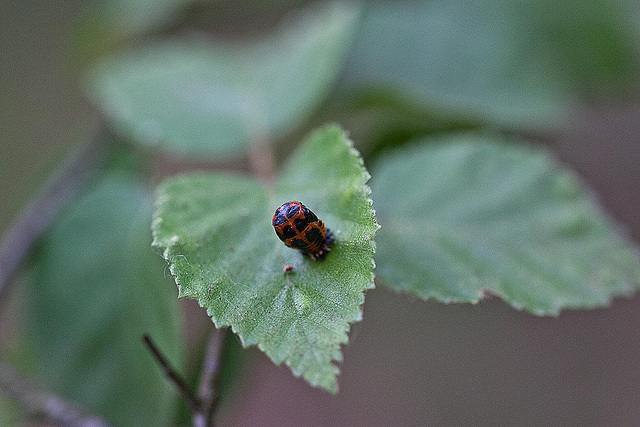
217 235
515 63
97 288
193 96
464 215
378 119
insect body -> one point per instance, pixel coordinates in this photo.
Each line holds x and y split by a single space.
299 228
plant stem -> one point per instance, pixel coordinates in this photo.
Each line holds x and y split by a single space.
68 180
207 393
204 405
172 374
262 162
44 405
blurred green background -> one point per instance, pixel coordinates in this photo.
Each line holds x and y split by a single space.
409 362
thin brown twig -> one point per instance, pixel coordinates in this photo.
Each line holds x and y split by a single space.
25 230
207 393
45 405
192 401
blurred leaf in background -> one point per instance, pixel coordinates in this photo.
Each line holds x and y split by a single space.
517 64
593 44
379 118
463 214
193 96
97 287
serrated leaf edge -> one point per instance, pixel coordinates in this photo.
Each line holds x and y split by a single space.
366 176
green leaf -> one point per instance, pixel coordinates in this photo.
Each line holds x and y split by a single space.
217 236
593 47
378 119
97 288
193 96
463 216
515 63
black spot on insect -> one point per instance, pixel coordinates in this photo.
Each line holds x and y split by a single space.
298 244
279 219
300 224
310 215
291 210
288 232
313 235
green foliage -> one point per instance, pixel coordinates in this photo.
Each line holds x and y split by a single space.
192 96
515 63
593 47
462 215
378 119
97 288
216 234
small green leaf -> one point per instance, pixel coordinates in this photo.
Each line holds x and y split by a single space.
97 288
464 215
193 96
217 236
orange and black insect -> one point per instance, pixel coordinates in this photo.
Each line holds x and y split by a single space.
299 228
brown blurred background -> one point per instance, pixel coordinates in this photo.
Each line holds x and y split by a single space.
409 362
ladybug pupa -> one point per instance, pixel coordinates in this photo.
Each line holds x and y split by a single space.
299 228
